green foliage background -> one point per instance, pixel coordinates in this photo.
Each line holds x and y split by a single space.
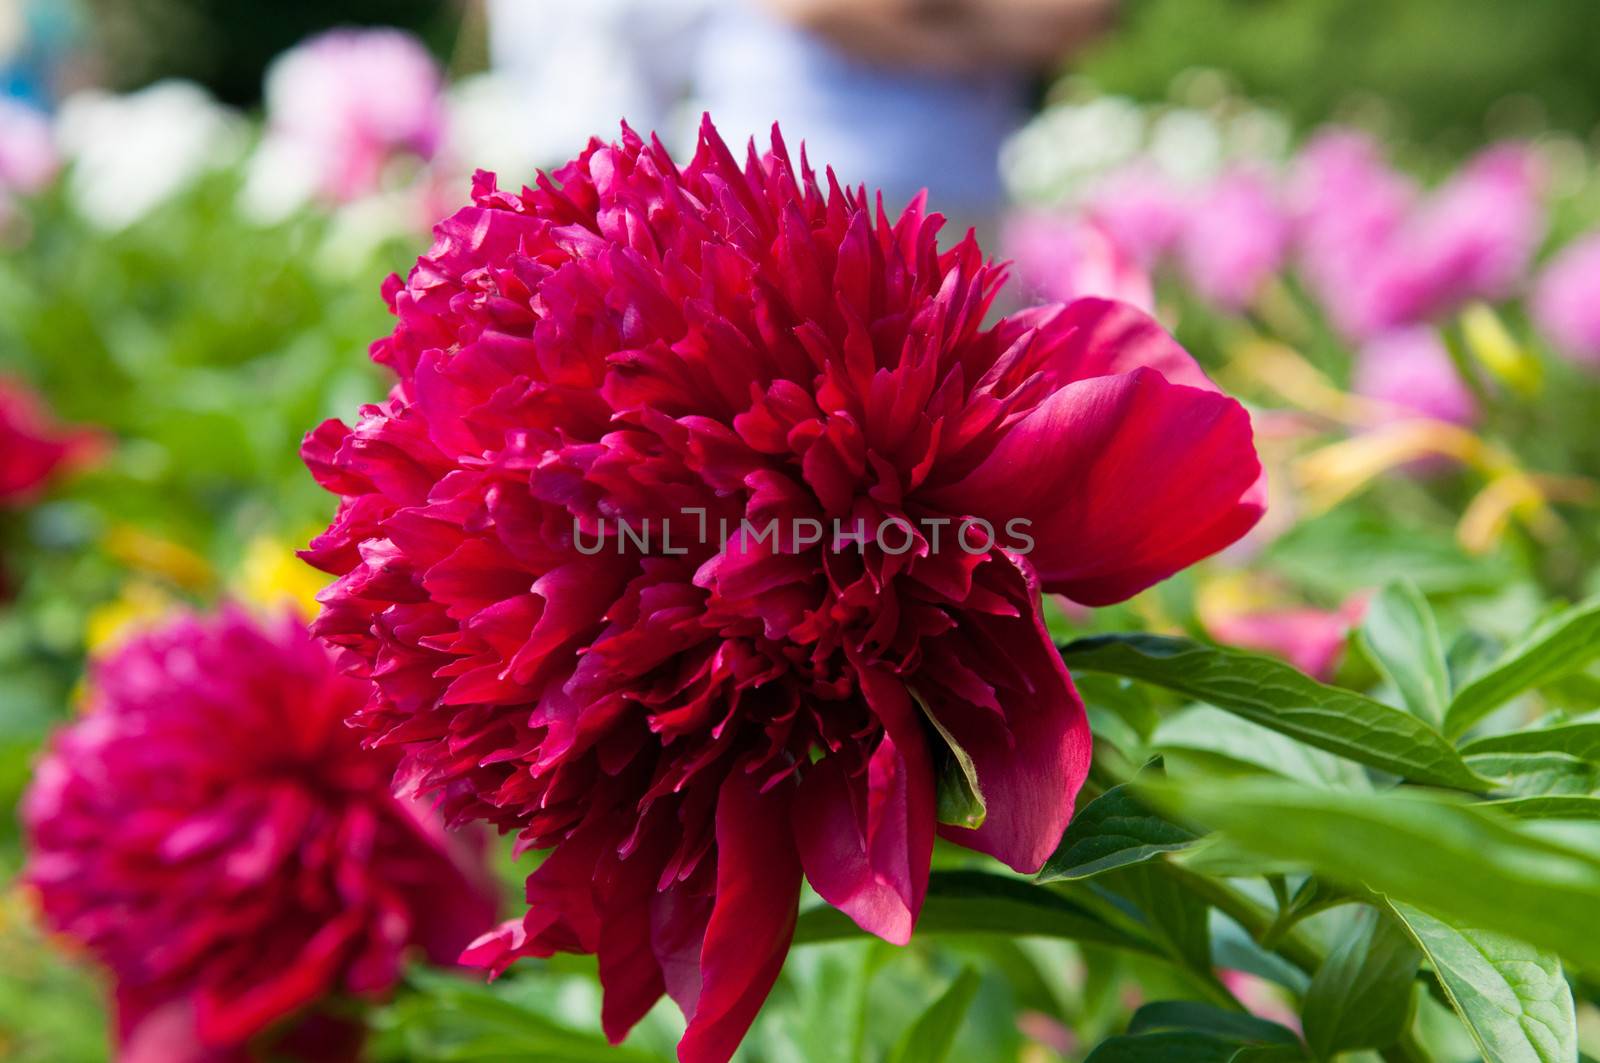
1451 71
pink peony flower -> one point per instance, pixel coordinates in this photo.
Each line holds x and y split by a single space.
1310 639
1346 203
1472 239
1566 301
33 447
213 833
691 720
1062 259
1236 238
1141 210
1410 370
28 156
349 100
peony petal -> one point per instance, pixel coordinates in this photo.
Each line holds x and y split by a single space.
1032 762
1123 479
1101 337
866 837
752 922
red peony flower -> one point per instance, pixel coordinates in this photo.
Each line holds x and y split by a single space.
768 678
32 445
213 832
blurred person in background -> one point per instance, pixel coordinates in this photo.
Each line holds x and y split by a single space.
897 94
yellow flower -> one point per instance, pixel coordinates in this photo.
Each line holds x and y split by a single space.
141 605
271 575
152 555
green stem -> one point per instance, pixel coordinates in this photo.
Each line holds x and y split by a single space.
1255 919
1204 981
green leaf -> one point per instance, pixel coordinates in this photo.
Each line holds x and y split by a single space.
1361 995
1175 1047
1462 861
1177 918
1166 1015
976 902
1513 998
1558 806
1555 648
1538 773
449 1018
1275 695
931 1037
1114 830
1581 740
1181 1031
1231 739
959 797
1401 637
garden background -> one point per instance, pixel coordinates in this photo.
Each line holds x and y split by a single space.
186 297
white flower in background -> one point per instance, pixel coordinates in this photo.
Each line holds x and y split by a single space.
488 129
1256 133
1049 155
1186 144
130 153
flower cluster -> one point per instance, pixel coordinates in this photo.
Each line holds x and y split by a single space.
213 833
691 734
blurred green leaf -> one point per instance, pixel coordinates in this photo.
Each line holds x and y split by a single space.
1563 806
1432 851
1555 648
1512 997
930 1038
976 902
1275 695
1348 550
1191 1032
1581 740
1222 736
1402 638
1538 773
1113 830
1361 996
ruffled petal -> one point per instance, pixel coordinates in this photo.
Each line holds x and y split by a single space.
1123 480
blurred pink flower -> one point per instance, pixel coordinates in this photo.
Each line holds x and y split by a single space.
33 447
1235 238
1310 639
1141 210
1410 369
1346 202
28 156
212 832
1566 301
1263 999
1473 238
1059 259
349 100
